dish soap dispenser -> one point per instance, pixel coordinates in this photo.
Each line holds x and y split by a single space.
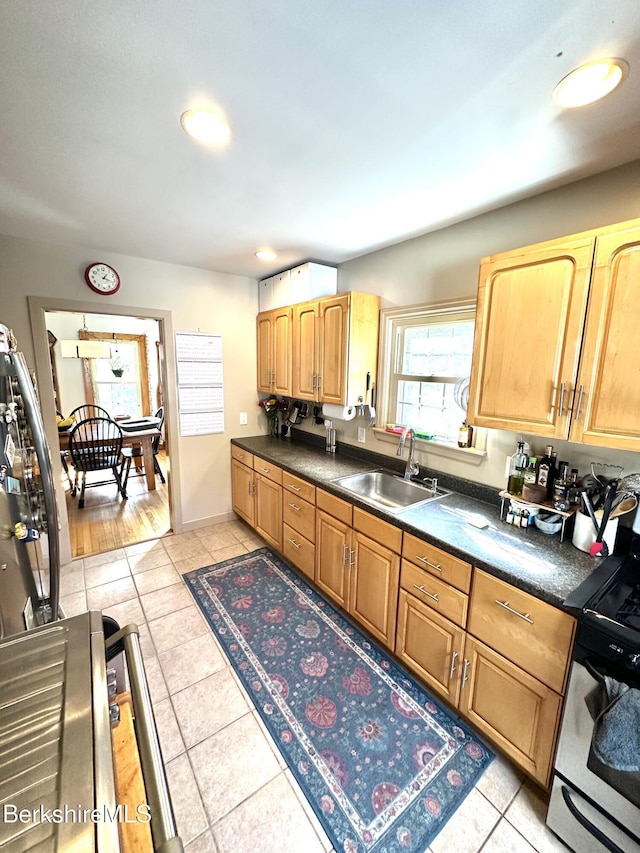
517 467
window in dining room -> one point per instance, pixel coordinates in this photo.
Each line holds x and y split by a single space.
120 384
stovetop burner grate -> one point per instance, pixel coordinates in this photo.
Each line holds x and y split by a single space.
629 612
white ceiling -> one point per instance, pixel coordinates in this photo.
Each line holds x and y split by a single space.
355 124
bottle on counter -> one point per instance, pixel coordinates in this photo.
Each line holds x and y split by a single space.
574 488
517 467
561 487
465 435
545 472
530 473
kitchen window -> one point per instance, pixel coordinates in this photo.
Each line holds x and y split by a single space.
426 361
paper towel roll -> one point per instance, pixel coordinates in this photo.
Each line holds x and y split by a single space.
340 413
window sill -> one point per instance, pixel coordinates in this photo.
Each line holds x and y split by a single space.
469 455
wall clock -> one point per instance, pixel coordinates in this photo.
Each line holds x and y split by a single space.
102 279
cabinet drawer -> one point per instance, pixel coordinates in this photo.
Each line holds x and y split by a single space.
299 551
268 470
299 487
336 507
380 531
242 456
437 562
432 591
299 515
529 632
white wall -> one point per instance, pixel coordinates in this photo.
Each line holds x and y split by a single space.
197 299
444 265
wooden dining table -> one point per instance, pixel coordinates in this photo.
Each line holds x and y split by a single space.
143 437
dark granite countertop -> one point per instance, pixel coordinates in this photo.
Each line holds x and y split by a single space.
528 559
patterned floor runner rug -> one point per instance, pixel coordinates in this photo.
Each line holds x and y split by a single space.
382 763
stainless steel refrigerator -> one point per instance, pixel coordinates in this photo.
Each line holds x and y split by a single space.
29 527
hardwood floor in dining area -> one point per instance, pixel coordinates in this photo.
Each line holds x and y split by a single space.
107 522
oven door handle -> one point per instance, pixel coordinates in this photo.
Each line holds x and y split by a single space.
163 824
591 828
594 673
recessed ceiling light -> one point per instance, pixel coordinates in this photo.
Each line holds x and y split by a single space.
590 82
206 126
266 255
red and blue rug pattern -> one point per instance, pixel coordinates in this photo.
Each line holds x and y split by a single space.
383 764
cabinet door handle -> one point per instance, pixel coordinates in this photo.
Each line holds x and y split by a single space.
454 655
430 594
294 543
344 553
433 565
318 378
465 670
561 403
252 488
524 616
313 382
579 406
294 488
293 506
352 562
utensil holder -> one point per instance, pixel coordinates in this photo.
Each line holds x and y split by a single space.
584 534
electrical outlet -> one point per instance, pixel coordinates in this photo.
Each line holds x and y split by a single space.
328 424
243 418
362 434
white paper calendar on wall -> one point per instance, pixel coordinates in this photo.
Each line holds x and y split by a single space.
200 383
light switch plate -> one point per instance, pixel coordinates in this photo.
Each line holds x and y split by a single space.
243 418
362 434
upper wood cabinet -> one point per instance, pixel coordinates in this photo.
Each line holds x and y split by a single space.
274 346
554 350
607 407
335 345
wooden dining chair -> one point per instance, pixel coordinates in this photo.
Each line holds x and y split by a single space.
135 453
95 444
89 410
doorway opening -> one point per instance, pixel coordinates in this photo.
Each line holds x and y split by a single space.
125 377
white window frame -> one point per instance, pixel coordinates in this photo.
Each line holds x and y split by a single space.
390 319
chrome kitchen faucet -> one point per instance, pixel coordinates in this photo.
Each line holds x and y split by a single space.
412 468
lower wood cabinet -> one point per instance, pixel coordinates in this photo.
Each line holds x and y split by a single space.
373 588
430 645
359 574
257 499
268 511
242 491
333 556
516 711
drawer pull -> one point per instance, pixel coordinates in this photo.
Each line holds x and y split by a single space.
293 488
433 565
524 616
465 671
454 655
294 543
430 594
266 470
293 506
240 456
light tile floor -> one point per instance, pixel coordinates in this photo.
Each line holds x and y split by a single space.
230 787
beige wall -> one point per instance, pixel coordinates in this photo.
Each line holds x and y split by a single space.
444 265
197 299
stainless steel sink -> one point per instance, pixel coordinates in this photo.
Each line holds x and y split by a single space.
389 491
